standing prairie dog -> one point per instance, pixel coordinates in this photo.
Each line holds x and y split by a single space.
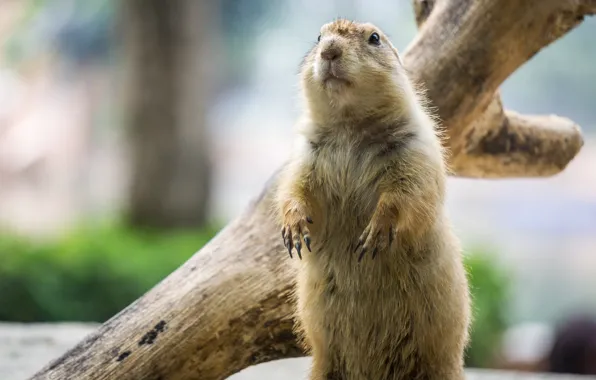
381 290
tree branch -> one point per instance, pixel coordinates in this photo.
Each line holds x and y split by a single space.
470 69
228 306
225 309
505 143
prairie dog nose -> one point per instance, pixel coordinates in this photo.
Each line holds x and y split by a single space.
331 52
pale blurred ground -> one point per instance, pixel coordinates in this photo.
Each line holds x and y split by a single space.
25 349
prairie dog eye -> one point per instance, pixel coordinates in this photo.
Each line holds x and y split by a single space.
319 38
374 39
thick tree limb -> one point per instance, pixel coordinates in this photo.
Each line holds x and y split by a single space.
462 79
225 309
228 306
518 145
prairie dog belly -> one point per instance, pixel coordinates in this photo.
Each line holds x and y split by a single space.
396 306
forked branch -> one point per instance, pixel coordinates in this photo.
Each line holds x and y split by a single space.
482 43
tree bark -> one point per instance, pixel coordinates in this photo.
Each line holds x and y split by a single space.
165 44
228 306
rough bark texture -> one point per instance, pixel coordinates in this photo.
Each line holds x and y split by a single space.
227 307
164 43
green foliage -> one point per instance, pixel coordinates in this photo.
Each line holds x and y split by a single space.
89 274
489 286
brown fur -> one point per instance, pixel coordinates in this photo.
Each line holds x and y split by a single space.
367 180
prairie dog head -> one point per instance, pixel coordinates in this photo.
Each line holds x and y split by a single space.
352 66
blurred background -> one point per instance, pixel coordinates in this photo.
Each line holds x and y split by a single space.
131 132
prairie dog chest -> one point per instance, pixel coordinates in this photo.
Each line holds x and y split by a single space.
345 165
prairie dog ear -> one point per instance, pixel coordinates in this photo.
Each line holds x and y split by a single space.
397 55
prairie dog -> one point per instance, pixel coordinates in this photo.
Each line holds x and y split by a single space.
381 291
